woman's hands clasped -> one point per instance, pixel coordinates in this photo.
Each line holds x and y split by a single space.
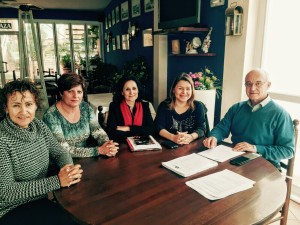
69 175
183 138
109 148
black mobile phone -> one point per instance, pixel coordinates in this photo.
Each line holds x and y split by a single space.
141 140
239 161
169 144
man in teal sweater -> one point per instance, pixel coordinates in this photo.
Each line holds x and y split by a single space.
257 125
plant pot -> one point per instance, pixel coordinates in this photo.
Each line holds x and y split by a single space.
208 97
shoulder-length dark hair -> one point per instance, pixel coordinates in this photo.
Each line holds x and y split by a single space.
70 80
172 97
17 86
118 97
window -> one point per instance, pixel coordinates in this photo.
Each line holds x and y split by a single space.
281 59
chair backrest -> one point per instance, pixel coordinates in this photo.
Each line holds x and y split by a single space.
289 167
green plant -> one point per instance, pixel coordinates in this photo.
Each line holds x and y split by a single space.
138 68
66 60
102 74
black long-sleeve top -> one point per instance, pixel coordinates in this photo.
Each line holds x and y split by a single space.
115 118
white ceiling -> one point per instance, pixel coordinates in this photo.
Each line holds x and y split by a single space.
91 5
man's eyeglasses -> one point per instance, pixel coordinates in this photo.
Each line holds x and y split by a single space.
257 84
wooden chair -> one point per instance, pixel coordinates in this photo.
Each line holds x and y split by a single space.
289 167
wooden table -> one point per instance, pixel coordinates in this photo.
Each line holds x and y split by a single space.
133 188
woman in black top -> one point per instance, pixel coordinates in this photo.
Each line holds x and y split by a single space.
128 114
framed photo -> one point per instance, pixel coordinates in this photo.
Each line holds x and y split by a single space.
135 8
124 11
148 5
117 12
214 3
109 20
147 38
113 20
118 42
106 23
113 42
125 41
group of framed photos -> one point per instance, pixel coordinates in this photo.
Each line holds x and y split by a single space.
121 12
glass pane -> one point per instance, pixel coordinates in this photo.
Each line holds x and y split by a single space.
93 40
10 52
64 49
78 35
10 25
282 46
48 50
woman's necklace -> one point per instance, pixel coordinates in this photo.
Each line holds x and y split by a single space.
72 115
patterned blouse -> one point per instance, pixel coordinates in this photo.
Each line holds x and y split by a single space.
74 136
24 155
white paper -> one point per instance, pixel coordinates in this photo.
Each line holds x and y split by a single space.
189 164
220 184
221 153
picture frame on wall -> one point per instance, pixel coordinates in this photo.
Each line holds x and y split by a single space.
113 42
109 20
125 41
117 12
148 5
147 38
118 42
124 11
214 3
135 8
113 20
106 23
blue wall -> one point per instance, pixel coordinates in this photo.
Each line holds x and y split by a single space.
210 17
119 57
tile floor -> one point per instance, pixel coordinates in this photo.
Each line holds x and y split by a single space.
294 214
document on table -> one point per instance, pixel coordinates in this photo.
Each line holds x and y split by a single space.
221 153
189 164
220 185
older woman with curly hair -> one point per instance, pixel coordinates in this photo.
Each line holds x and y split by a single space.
26 148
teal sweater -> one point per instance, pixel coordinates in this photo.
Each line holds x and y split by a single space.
270 129
24 157
74 136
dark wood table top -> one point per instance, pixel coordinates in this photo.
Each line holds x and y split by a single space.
133 188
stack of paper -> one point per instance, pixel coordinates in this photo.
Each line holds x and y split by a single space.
221 153
189 164
220 184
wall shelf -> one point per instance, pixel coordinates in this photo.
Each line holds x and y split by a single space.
193 55
180 30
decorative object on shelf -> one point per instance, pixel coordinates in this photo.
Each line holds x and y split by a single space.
191 47
214 3
206 42
175 46
132 30
234 19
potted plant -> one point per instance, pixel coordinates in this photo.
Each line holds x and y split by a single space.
207 87
66 62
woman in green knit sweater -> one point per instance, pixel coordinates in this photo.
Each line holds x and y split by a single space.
26 146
